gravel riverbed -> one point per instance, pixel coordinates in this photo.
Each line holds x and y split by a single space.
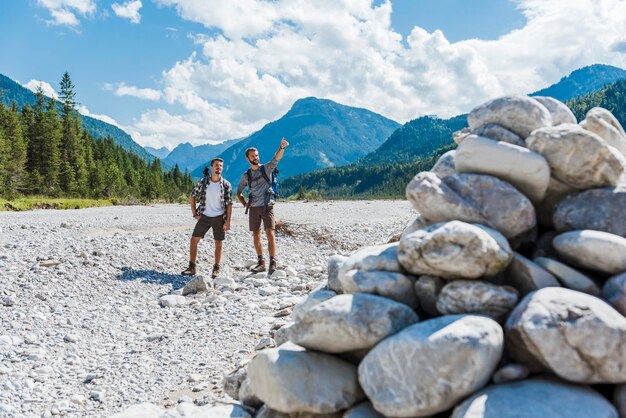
82 332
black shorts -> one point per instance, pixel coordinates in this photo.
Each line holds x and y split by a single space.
207 222
261 213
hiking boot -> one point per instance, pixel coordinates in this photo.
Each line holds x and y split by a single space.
190 271
216 271
272 268
260 267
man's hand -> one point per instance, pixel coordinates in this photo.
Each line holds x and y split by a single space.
283 143
196 217
227 225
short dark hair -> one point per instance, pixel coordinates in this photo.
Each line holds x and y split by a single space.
249 150
217 159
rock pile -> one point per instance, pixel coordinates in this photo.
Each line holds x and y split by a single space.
505 297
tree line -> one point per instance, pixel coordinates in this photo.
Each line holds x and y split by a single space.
45 151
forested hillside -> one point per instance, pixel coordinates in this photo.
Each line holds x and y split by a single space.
46 151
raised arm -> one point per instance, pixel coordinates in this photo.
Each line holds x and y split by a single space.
281 150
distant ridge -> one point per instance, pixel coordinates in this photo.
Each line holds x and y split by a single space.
191 157
322 133
582 81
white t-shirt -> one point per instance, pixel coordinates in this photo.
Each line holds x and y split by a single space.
214 204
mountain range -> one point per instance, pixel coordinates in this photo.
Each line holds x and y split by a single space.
12 91
160 153
418 143
321 134
189 157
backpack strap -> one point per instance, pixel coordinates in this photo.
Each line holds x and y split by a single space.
264 174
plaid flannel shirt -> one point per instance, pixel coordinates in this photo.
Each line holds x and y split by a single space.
199 193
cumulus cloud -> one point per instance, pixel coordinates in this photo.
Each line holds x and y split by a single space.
83 110
63 12
122 89
128 10
264 55
48 90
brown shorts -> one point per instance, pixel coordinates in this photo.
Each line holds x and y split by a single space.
262 213
207 222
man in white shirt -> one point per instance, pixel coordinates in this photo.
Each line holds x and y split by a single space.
211 205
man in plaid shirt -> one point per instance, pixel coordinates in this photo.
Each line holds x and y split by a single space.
211 205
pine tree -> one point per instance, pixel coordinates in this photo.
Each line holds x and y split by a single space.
74 179
15 164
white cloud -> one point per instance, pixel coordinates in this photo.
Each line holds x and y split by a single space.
128 10
63 12
48 90
267 54
124 90
84 111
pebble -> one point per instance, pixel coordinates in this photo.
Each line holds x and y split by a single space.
95 322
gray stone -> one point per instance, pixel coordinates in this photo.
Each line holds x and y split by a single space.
169 301
596 209
196 285
455 250
526 276
266 412
395 286
498 133
577 157
558 110
430 366
534 398
363 410
602 123
376 257
281 335
314 298
334 264
510 373
143 410
246 396
445 165
459 136
594 250
350 322
414 225
614 292
290 379
557 191
526 170
231 383
427 289
471 198
578 337
519 114
569 277
475 296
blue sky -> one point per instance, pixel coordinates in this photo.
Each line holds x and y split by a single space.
171 71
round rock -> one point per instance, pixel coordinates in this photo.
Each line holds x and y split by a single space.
430 366
376 257
395 286
350 322
427 289
577 157
597 209
578 337
602 123
614 292
471 198
475 296
558 110
594 250
569 277
498 133
519 114
290 379
526 276
526 170
535 398
445 165
314 298
333 266
455 250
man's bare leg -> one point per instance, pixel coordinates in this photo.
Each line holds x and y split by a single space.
193 249
271 241
218 252
258 244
